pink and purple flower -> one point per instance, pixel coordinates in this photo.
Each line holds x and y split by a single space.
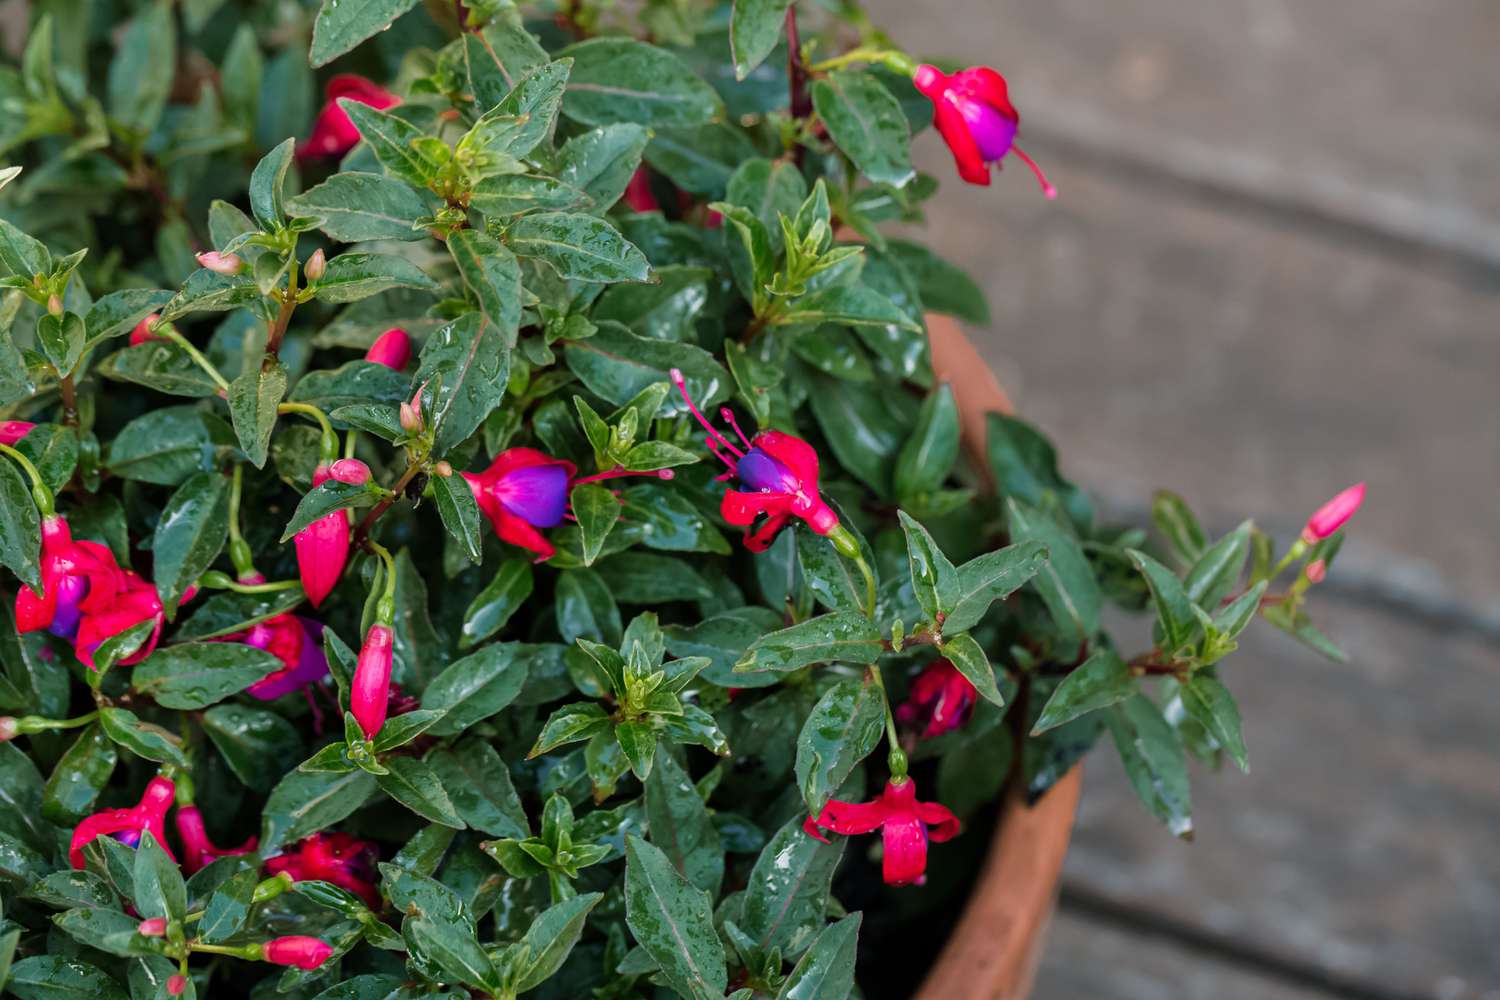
973 113
905 826
127 825
941 700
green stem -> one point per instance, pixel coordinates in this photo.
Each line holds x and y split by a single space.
239 550
247 951
28 724
284 314
1298 549
330 444
895 757
219 581
893 59
385 610
39 490
176 337
351 441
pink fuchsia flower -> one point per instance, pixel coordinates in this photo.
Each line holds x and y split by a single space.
177 984
296 642
779 471
145 331
338 858
638 193
197 849
12 431
152 927
1332 516
136 601
127 825
392 349
940 697
322 547
306 953
333 134
973 113
370 689
524 490
905 826
220 263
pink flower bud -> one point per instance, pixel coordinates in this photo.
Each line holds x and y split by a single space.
1316 571
370 690
1330 517
176 985
392 349
220 263
54 305
411 420
152 927
442 470
12 431
322 548
306 953
7 728
350 470
316 265
144 331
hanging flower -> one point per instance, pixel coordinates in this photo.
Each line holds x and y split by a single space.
1332 516
197 849
370 690
525 489
12 431
338 858
306 953
905 826
779 471
136 601
297 643
973 113
323 546
940 697
127 825
333 134
638 194
392 349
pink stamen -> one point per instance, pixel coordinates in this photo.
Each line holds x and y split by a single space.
618 473
719 455
728 415
1047 188
681 385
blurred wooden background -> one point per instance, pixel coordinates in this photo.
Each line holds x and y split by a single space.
1274 270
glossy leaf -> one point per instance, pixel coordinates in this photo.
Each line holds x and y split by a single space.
190 534
867 124
622 80
1211 705
673 921
842 636
1102 680
194 675
339 25
844 727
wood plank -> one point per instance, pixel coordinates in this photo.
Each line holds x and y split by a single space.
1336 106
1363 841
1099 960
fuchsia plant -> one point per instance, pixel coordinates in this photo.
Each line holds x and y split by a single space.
509 512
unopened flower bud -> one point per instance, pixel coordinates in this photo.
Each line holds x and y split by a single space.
1330 517
350 470
442 470
411 418
152 927
145 330
370 688
8 728
306 953
316 265
220 263
176 985
54 304
392 349
1316 571
272 887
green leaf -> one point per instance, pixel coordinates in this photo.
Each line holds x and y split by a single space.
1175 520
944 287
1152 754
851 305
597 511
992 577
460 514
493 276
303 803
864 429
754 30
416 786
159 365
929 453
54 977
340 25
167 445
118 312
1174 611
578 246
1214 574
20 526
494 605
143 739
193 675
678 822
1103 680
53 449
353 276
673 921
140 74
479 786
357 206
268 187
253 398
497 57
787 893
501 196
585 607
159 889
622 80
867 123
453 948
327 497
401 729
666 310
209 291
1024 465
75 783
21 792
551 938
1209 703
22 255
61 339
701 159
190 534
570 724
465 364
843 729
967 656
826 969
601 162
1066 581
257 745
839 637
477 686
393 141
618 365
229 906
533 104
934 579
220 614
120 646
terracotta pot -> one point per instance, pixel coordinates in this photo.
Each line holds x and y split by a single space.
997 943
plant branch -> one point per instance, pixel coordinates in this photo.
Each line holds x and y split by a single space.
284 314
362 533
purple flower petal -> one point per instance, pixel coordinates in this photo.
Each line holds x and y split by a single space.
537 494
763 474
993 132
70 591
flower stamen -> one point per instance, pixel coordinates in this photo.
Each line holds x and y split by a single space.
681 385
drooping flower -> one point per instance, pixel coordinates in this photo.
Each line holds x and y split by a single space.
905 826
1332 516
332 857
370 689
127 825
973 113
779 473
392 349
333 134
306 953
941 697
12 431
136 601
524 490
296 642
197 849
638 194
322 546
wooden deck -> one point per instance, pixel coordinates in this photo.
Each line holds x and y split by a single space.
1274 270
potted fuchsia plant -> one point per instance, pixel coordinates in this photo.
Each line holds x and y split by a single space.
498 531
